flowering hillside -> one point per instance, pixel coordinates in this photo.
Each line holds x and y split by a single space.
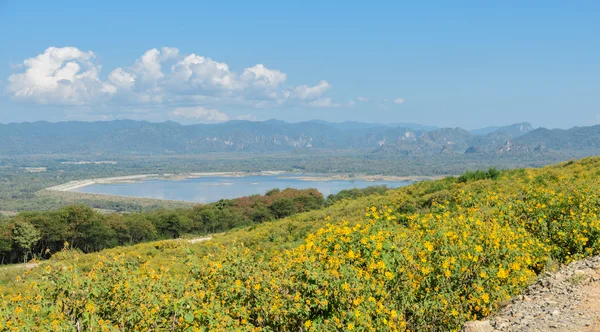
425 257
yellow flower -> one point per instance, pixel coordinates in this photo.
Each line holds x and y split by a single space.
502 273
429 246
485 297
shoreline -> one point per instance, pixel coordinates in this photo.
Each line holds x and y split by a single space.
72 185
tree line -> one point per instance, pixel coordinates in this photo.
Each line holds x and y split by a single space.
38 234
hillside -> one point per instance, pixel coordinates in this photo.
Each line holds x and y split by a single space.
429 256
135 138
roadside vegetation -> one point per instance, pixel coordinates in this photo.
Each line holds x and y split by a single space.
429 256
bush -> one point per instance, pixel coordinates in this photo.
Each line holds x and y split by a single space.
491 173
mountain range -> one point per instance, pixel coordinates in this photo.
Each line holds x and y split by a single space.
128 137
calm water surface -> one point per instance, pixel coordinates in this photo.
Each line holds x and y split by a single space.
212 189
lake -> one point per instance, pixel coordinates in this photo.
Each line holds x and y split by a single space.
213 188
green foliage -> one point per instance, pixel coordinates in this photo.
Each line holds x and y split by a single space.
87 230
282 207
355 193
491 174
24 235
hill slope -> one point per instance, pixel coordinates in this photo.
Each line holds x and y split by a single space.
424 257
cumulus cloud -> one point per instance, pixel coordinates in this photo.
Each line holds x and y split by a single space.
60 76
305 92
200 114
362 99
69 76
399 101
121 79
261 76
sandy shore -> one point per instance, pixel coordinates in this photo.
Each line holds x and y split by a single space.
136 178
83 183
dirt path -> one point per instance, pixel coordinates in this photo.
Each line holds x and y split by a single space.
566 300
200 239
24 266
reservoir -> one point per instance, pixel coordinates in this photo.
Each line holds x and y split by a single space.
208 189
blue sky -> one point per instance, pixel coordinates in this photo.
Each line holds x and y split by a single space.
444 63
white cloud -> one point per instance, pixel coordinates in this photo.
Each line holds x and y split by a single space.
261 76
169 53
305 92
200 114
362 99
399 101
324 102
160 77
202 75
63 76
121 79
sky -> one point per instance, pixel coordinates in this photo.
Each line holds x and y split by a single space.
457 63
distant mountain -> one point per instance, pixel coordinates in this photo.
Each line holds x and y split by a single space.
413 126
444 140
515 130
127 137
353 125
576 138
147 138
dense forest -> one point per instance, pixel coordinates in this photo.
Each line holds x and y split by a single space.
428 256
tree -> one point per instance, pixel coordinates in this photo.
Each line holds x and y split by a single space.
53 230
5 239
25 235
96 235
74 216
171 224
283 207
260 213
139 228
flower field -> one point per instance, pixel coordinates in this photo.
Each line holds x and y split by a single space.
425 257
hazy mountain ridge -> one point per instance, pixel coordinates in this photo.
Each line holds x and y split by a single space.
515 130
141 138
